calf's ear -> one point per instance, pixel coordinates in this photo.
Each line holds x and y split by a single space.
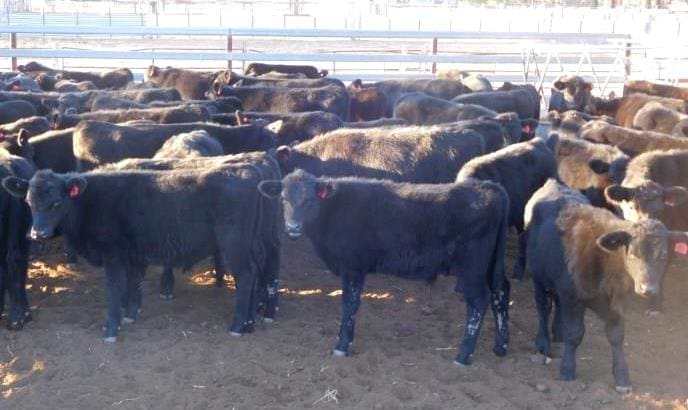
598 166
678 243
325 189
560 84
75 186
684 132
275 126
217 88
241 118
55 118
614 240
618 193
270 188
23 137
283 153
674 196
152 71
15 186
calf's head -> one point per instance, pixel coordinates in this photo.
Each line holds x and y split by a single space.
302 197
645 250
645 201
576 92
18 144
153 74
49 195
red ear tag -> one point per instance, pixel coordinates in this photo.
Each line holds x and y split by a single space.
526 128
16 87
74 192
322 193
218 92
681 247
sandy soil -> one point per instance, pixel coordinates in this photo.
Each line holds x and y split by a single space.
178 355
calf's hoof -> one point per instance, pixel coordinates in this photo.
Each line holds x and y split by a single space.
70 259
110 339
566 377
462 365
463 360
15 325
128 320
653 312
499 351
165 296
238 330
624 389
268 320
339 353
518 273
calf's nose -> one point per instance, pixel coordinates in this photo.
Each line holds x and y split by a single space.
37 234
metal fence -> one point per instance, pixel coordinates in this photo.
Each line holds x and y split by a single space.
335 16
526 57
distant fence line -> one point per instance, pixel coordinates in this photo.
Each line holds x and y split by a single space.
603 56
447 19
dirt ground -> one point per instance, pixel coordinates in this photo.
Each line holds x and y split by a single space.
179 355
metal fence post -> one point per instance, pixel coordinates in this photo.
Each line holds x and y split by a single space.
229 49
627 63
434 52
13 45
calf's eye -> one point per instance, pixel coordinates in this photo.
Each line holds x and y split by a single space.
56 204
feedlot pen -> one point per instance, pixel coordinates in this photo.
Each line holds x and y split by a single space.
179 355
538 58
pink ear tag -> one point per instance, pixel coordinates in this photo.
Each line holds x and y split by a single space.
74 191
681 247
669 202
526 128
322 192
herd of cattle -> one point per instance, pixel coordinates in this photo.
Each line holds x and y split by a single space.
413 178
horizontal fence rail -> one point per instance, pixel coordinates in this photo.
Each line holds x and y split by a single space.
260 32
534 57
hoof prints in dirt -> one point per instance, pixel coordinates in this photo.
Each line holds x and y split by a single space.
403 356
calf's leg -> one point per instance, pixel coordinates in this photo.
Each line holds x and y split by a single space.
543 304
115 289
352 286
3 287
134 298
500 311
614 327
16 265
573 314
219 270
271 278
520 264
167 283
244 275
475 293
